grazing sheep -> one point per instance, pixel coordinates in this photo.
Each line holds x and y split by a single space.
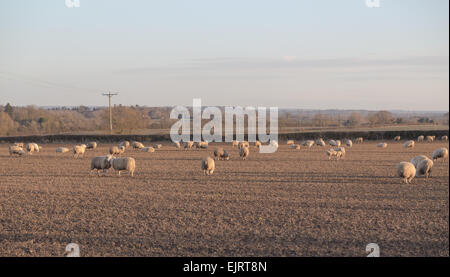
124 164
440 153
19 144
348 142
382 145
359 140
235 143
148 149
397 138
415 161
338 142
342 150
444 138
201 144
331 153
409 144
137 145
308 143
333 142
124 143
177 144
225 156
290 142
243 144
91 145
188 144
430 138
424 167
115 150
406 171
157 146
15 150
208 166
30 147
257 144
320 142
244 152
79 150
295 146
101 163
62 150
274 143
420 138
218 152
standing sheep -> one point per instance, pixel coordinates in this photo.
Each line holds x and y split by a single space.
382 145
440 153
225 156
308 143
79 150
15 150
420 138
415 161
359 140
409 144
235 143
115 150
62 150
218 153
424 167
91 145
430 138
137 145
101 163
349 143
177 144
148 149
124 164
243 144
124 143
188 144
342 150
244 152
208 166
397 138
320 142
290 142
406 171
444 138
257 144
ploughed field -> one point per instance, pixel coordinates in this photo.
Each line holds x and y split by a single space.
290 203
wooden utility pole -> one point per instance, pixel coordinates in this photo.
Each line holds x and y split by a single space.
110 111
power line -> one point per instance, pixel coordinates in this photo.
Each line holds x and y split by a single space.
110 95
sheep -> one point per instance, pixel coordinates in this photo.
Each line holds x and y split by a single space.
338 142
124 164
157 146
382 145
101 163
320 142
415 161
62 150
244 152
124 143
201 144
137 145
243 144
257 144
406 171
397 138
148 149
295 146
290 142
333 153
208 166
424 167
274 143
36 147
116 150
430 138
341 150
332 142
440 153
348 142
420 138
225 156
79 150
91 145
444 138
30 147
308 143
359 140
177 144
234 143
188 144
409 144
218 152
19 144
15 150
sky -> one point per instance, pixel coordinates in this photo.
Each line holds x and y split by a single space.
310 54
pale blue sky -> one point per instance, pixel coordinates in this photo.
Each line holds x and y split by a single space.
314 54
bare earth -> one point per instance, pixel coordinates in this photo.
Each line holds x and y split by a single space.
291 203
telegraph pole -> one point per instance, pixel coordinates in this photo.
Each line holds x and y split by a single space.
109 94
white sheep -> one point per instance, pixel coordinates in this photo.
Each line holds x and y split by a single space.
243 144
420 138
124 164
188 144
30 147
218 152
342 150
257 144
382 145
397 138
359 140
290 142
225 156
208 166
424 167
430 138
137 145
234 143
62 150
295 146
406 171
91 145
409 144
331 153
16 150
101 163
79 150
177 144
320 142
116 150
349 143
415 161
244 152
148 149
308 143
444 138
157 146
440 153
124 143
